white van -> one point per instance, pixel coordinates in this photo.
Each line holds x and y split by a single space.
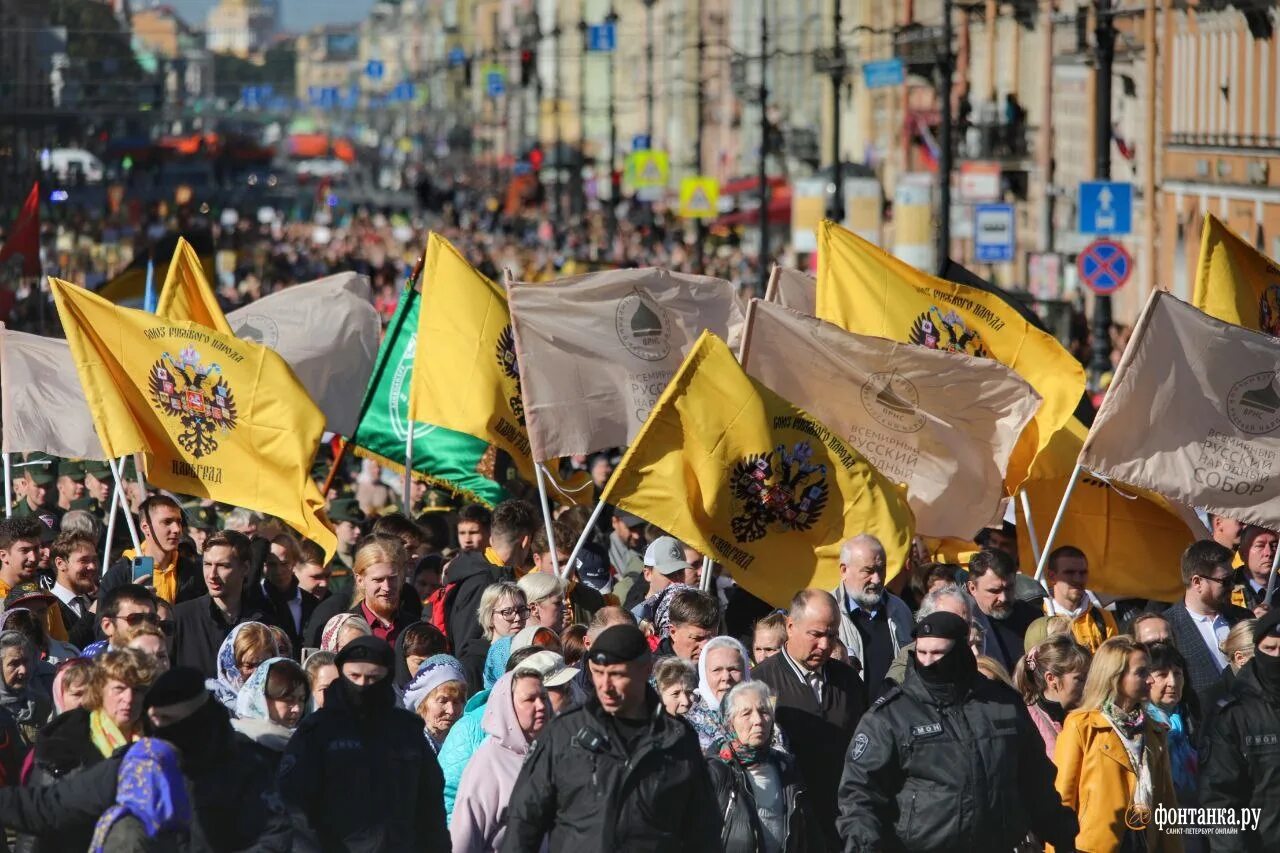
68 163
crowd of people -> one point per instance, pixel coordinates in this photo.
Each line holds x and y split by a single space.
437 685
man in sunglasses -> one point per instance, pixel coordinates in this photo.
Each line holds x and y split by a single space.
119 612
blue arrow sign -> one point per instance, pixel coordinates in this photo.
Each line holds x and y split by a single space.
602 38
457 56
1105 207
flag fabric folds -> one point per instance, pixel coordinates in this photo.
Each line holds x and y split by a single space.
754 482
24 235
187 294
1235 282
865 290
942 423
43 406
1194 414
455 460
1133 538
793 289
216 416
327 330
596 351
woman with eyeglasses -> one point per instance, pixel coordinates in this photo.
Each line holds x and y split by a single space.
246 648
502 612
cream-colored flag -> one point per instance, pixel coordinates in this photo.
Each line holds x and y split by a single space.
43 403
942 423
328 332
793 289
597 350
1194 414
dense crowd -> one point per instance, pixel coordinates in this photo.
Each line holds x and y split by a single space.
436 685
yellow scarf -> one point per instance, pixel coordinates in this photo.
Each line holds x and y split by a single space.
164 580
105 734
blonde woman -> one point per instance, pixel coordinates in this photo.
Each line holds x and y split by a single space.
503 612
545 594
1113 760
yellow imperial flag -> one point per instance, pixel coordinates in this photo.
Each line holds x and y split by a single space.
1133 538
187 294
1235 282
865 290
216 416
465 374
754 482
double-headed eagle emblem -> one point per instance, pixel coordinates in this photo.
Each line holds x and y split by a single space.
197 395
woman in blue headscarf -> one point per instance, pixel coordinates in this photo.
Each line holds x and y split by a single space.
152 811
270 706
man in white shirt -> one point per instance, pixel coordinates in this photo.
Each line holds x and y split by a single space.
1202 619
75 561
1257 552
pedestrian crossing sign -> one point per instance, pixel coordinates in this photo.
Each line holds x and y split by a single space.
648 169
699 197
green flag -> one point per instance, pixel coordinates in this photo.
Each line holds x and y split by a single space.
442 457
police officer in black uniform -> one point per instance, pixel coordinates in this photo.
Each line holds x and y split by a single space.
949 760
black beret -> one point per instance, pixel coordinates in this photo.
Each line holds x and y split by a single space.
942 624
1266 626
366 650
180 684
618 644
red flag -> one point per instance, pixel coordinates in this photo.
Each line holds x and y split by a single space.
24 238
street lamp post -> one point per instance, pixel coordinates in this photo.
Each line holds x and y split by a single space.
1105 51
614 185
648 57
764 145
946 64
836 212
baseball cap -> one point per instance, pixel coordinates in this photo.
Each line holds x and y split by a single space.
593 569
49 526
26 592
666 554
551 666
630 519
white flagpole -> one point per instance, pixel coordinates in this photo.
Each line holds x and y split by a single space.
111 530
117 470
586 532
1031 527
408 472
708 569
546 519
142 481
8 488
1271 578
1053 534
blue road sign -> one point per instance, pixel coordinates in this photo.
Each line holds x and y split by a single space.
884 73
993 232
494 83
457 56
1105 208
602 38
1104 266
374 69
641 142
402 92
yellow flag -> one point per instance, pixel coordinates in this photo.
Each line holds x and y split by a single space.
1235 282
465 375
216 416
1133 538
865 290
755 483
187 294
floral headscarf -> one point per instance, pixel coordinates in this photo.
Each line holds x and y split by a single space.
251 702
150 788
332 630
227 685
662 616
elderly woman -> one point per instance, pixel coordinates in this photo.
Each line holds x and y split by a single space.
437 695
19 695
342 629
722 664
503 612
245 649
1172 706
517 710
271 705
759 788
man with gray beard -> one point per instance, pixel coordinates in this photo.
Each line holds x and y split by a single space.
874 623
1004 620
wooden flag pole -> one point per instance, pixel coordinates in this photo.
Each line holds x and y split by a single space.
546 518
8 488
771 289
117 470
1053 534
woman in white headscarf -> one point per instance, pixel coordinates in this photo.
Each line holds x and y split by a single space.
722 664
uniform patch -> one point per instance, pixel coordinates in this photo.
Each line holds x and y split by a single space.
926 730
1261 740
860 744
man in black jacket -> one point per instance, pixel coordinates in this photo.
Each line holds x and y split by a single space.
1003 617
162 525
1240 752
201 624
471 571
617 773
75 561
820 700
949 761
278 595
234 799
358 774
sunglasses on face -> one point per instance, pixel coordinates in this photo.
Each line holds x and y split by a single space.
133 620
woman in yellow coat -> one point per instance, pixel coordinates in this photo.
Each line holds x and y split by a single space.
1113 762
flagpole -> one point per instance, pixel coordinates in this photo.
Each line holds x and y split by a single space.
1031 528
8 489
408 471
117 471
771 289
111 530
708 568
142 480
546 519
586 531
747 324
1053 534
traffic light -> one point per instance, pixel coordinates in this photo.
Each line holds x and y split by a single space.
527 71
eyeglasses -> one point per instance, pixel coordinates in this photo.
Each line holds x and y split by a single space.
512 612
1225 580
167 626
133 620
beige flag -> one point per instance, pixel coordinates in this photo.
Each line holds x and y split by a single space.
1194 414
942 423
596 351
793 289
328 332
42 402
